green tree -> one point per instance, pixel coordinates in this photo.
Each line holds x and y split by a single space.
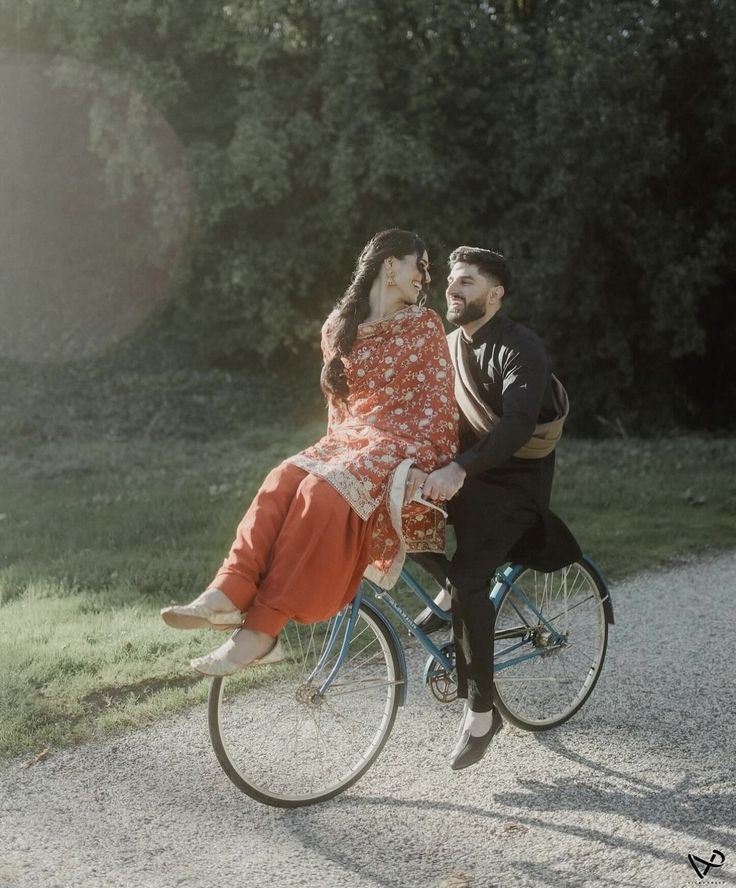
590 141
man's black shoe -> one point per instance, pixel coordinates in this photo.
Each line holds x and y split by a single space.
469 749
429 622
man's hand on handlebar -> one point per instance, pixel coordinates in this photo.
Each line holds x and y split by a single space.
444 483
414 481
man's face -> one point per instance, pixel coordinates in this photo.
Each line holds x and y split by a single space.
467 294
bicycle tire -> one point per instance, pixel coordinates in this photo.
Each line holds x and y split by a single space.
283 743
547 689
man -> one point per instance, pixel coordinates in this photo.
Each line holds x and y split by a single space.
512 410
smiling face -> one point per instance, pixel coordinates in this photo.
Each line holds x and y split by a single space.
410 275
472 298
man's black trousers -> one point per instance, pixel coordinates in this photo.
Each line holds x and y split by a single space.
491 513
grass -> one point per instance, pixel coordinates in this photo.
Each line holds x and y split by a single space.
637 504
96 535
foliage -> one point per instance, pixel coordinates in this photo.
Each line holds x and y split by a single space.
590 141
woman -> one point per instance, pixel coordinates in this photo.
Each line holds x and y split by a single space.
344 508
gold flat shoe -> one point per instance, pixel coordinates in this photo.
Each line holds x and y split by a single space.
218 663
199 616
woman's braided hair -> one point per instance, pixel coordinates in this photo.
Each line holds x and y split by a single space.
354 306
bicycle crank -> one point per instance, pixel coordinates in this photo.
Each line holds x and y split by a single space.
441 683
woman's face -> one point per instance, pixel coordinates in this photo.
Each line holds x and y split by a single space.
411 276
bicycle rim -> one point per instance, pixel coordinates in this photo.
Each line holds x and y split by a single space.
560 672
285 744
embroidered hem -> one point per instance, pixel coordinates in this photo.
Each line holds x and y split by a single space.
345 483
387 578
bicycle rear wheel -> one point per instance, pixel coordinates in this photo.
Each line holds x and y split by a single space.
552 662
281 740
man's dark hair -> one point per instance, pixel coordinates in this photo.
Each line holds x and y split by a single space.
489 262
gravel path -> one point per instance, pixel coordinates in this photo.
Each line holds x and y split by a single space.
619 796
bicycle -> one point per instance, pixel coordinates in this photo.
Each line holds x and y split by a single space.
301 732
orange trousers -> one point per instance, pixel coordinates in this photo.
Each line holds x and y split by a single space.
299 553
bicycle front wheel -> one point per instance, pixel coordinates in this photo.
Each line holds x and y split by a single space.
551 639
281 739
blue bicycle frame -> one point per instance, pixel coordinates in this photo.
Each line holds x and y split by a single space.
504 582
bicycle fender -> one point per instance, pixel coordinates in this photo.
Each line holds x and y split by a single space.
607 602
380 617
509 574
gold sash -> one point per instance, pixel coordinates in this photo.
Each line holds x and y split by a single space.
482 419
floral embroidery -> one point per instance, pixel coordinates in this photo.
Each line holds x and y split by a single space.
413 417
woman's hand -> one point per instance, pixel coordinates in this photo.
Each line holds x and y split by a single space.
414 481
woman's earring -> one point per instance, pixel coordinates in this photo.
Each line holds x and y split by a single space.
390 282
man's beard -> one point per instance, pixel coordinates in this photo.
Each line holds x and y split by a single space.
469 312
